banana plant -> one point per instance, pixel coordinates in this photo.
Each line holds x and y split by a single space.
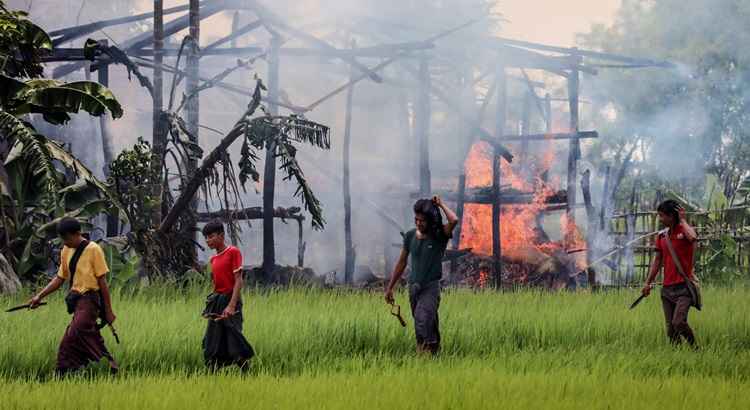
40 182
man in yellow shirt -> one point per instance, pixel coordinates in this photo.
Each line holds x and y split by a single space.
83 264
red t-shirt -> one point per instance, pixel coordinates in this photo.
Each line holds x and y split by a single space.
683 247
223 267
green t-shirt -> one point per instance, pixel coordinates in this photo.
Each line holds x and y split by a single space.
426 256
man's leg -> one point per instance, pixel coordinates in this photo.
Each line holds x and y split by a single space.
669 307
414 294
426 318
82 342
680 319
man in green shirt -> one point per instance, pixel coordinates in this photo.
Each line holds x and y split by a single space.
426 244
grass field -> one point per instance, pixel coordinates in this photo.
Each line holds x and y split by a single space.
326 349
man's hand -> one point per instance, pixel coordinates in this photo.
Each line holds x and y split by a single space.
228 312
646 289
683 213
34 302
110 316
437 201
389 296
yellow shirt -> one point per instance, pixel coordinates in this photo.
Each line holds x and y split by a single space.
91 266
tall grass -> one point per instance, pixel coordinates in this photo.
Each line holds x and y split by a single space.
314 343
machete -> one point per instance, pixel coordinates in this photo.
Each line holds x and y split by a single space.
637 301
24 306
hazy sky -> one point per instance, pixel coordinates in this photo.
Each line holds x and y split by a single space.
554 22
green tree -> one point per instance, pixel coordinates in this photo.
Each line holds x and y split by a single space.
40 181
694 116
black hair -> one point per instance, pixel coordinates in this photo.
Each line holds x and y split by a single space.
670 207
68 226
213 227
432 215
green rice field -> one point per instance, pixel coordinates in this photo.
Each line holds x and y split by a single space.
342 349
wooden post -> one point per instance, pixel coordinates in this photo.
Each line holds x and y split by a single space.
603 213
159 134
548 109
574 152
464 145
269 173
235 27
348 246
496 176
113 228
192 107
301 244
422 123
631 223
525 125
591 230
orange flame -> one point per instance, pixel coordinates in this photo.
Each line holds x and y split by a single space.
519 235
484 276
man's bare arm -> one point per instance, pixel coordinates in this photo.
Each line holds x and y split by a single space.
653 272
690 233
236 290
449 215
109 313
52 286
398 272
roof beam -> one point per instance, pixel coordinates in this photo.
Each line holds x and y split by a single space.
71 33
640 62
275 20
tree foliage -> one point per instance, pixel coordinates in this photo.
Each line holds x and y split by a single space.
686 121
40 181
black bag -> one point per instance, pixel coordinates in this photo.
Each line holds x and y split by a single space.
71 299
692 286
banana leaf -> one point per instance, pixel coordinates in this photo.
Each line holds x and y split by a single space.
55 99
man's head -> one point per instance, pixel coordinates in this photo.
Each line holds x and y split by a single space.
214 234
427 217
69 230
669 213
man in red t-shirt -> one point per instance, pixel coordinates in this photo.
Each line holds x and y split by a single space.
675 296
224 343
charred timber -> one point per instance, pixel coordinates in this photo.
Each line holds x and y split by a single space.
252 213
507 197
545 137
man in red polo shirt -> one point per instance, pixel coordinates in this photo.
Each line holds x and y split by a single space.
224 343
675 296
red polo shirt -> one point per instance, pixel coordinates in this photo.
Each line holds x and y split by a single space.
223 267
683 247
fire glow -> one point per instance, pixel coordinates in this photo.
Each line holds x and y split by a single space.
520 237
